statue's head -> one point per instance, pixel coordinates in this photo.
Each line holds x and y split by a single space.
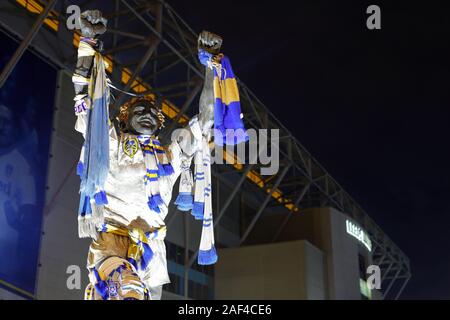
6 127
141 116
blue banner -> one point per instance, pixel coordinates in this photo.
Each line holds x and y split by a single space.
26 111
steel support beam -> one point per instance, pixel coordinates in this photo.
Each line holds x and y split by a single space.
163 40
157 71
385 293
379 263
402 287
25 43
116 32
230 198
183 38
184 108
264 204
117 13
387 271
285 221
126 46
154 44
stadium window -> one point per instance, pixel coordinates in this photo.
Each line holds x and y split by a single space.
170 287
179 255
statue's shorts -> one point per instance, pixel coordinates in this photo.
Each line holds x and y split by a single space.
111 276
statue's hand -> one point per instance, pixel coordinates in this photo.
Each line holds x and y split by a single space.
210 42
92 23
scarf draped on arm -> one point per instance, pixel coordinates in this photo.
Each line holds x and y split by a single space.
201 202
228 125
228 130
94 159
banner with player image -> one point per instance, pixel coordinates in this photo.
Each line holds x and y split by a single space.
26 110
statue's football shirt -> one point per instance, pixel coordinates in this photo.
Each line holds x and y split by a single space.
127 199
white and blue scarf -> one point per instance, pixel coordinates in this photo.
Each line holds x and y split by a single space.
94 159
157 165
200 203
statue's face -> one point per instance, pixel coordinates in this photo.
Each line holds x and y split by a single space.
6 130
143 118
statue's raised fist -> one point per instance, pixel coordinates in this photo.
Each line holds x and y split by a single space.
210 42
92 23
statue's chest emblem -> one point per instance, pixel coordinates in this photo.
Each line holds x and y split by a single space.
130 147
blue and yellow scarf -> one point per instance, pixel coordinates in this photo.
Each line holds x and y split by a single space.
228 125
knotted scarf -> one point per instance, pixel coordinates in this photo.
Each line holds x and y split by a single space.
228 125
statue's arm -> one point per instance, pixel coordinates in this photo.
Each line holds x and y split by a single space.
92 24
210 43
83 69
185 138
206 103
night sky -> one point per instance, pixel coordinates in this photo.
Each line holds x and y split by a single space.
371 106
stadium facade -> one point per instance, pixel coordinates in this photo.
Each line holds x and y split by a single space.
297 224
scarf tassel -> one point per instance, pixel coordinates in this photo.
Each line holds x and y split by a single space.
90 215
161 170
185 201
165 170
207 257
168 169
198 210
154 201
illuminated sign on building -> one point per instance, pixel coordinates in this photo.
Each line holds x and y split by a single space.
355 231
